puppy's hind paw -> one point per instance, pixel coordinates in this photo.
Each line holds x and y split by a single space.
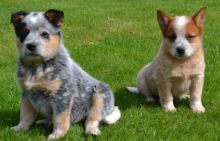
184 97
44 122
53 137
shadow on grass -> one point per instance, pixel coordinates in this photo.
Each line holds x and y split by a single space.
11 118
8 118
126 100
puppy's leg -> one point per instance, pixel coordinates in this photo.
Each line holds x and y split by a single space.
61 117
95 115
143 87
196 94
166 97
27 115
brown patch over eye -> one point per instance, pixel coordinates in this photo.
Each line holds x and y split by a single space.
193 32
190 37
172 37
170 33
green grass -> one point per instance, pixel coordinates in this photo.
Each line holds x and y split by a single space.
112 40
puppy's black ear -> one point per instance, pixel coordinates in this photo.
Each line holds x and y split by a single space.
18 17
163 19
55 17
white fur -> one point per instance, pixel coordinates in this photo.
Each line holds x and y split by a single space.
133 90
181 41
169 106
33 20
113 117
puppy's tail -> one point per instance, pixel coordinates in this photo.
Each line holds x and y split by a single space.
113 117
133 90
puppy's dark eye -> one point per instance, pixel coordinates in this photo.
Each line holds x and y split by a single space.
190 37
45 35
172 37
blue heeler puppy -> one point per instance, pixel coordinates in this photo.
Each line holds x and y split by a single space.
52 83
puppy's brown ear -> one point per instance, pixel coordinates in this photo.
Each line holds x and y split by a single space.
199 17
163 19
55 17
17 17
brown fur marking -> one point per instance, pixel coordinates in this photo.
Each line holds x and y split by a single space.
63 120
192 29
96 109
61 124
27 115
94 117
39 82
45 85
170 77
52 45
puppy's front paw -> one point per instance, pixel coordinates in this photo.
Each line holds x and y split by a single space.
169 109
58 133
15 128
93 130
18 128
197 108
92 127
53 137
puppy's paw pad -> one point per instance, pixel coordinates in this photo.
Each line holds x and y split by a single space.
93 131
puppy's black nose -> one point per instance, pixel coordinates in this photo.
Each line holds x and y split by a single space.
31 47
180 51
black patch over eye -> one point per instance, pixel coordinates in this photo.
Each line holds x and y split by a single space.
172 37
45 35
21 31
190 37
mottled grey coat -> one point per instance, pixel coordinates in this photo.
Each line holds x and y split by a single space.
52 83
76 84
